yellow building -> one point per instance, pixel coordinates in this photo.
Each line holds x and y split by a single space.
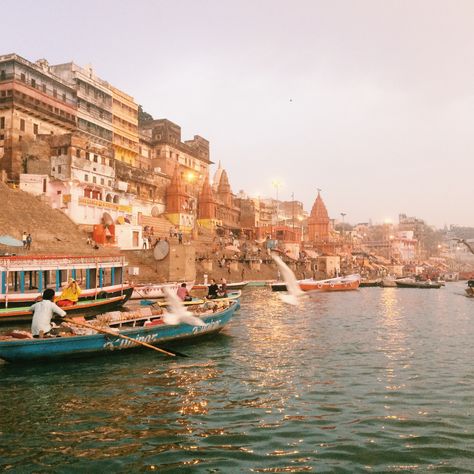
125 126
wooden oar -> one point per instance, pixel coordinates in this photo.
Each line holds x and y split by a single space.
122 336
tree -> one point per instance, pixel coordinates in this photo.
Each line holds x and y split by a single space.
143 116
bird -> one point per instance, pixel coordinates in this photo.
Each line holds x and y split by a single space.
463 241
178 313
292 286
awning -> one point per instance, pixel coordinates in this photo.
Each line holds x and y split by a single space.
10 241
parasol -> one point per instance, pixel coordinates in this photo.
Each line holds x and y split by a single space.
10 241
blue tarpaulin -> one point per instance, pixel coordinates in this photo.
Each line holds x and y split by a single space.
10 241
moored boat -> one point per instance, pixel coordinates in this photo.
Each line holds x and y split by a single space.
346 283
412 283
156 290
148 330
23 278
370 283
230 286
87 308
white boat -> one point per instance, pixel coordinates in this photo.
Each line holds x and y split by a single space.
155 290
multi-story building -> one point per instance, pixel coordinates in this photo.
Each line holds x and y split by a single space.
167 151
125 127
33 101
94 101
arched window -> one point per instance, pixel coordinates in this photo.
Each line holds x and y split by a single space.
108 198
116 199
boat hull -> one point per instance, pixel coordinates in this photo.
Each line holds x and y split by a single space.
87 308
420 285
27 299
26 350
156 291
230 286
334 284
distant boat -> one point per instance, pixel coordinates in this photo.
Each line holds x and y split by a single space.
370 283
155 290
412 283
470 288
230 286
346 283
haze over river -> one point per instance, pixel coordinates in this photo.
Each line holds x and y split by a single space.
374 380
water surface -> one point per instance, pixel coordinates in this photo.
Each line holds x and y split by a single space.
375 380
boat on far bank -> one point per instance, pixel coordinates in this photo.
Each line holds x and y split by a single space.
370 283
230 286
412 283
156 290
344 283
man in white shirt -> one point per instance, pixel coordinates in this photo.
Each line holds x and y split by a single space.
43 312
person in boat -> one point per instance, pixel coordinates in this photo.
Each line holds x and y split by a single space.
70 294
183 293
213 290
43 312
223 289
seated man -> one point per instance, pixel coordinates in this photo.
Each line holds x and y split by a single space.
223 288
70 294
212 290
183 293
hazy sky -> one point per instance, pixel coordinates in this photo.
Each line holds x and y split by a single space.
371 101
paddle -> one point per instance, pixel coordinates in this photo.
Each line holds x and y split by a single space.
122 336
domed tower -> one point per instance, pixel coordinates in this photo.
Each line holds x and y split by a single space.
176 198
217 178
224 193
207 203
318 221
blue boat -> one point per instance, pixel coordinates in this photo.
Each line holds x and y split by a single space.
59 348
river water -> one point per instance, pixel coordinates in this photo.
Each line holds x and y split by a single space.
374 380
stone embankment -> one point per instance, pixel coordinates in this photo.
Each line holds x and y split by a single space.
53 233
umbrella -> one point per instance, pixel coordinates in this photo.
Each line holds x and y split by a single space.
10 241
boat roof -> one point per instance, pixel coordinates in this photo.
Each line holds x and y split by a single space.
59 262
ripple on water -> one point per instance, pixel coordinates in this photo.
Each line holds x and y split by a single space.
374 380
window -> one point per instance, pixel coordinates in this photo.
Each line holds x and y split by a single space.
59 168
78 153
2 122
33 83
55 93
64 97
88 155
110 183
86 177
22 125
65 150
96 159
44 87
22 77
35 128
94 179
2 137
2 75
102 181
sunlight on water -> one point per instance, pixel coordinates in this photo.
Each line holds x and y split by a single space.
372 380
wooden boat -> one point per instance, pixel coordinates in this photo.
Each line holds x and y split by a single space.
370 283
155 290
155 332
230 286
412 283
346 283
231 296
278 286
23 278
87 308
